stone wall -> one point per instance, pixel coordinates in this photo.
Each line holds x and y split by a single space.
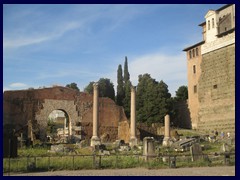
217 90
21 108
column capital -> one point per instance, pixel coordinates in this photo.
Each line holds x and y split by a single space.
95 85
133 88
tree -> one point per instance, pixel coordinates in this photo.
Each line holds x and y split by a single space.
73 86
127 99
164 100
120 86
147 99
153 100
89 88
182 93
105 86
126 73
127 89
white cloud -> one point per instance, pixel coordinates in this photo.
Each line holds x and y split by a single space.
18 85
171 69
29 39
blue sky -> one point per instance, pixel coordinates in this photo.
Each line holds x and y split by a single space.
45 45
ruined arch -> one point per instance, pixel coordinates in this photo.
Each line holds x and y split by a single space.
49 105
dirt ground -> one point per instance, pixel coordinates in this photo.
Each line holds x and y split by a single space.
195 171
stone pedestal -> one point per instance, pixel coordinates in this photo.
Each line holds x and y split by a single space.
148 148
95 140
166 140
133 138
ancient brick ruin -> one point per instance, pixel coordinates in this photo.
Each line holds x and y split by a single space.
27 112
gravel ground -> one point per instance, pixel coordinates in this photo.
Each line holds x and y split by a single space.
196 171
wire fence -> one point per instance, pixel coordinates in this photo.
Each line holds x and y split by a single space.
95 161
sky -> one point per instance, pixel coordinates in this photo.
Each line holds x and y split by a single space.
50 44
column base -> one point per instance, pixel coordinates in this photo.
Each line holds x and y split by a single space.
95 141
133 141
166 141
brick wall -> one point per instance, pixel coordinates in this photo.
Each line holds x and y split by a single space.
217 90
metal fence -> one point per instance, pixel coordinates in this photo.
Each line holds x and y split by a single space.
94 161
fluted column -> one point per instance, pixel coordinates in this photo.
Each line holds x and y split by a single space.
95 140
133 139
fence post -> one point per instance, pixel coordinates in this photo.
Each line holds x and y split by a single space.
100 158
73 162
227 158
172 162
48 163
94 162
35 161
9 164
27 162
116 161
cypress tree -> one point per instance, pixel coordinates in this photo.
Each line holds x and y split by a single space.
127 99
126 73
120 86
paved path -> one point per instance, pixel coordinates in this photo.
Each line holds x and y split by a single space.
196 171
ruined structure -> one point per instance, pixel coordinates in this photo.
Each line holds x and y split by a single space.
27 111
95 140
133 138
211 73
167 130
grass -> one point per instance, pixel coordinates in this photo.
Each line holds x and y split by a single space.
83 159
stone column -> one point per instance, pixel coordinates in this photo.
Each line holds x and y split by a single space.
95 140
167 131
133 139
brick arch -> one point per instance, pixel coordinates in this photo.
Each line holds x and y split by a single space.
49 105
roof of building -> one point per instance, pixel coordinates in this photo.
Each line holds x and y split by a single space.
221 8
226 32
195 45
224 7
203 23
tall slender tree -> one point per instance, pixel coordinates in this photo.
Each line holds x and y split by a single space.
127 99
120 86
127 89
126 73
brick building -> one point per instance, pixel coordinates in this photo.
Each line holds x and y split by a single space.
211 73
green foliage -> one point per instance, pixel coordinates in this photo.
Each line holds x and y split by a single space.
120 86
182 93
127 99
153 100
73 86
126 73
33 151
89 88
51 128
105 86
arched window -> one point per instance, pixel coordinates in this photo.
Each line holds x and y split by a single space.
212 22
193 52
190 54
208 25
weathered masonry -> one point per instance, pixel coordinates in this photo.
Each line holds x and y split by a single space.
27 111
211 73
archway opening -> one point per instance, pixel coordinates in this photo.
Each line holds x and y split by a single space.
58 129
